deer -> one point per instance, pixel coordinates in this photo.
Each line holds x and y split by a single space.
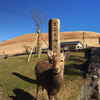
50 76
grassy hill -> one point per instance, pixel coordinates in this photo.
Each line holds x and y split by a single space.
63 36
15 45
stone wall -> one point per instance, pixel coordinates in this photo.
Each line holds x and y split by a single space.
91 89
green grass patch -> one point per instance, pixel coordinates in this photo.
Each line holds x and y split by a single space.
16 74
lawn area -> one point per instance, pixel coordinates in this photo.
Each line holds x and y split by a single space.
17 77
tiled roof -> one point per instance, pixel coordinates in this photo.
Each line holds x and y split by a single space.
70 43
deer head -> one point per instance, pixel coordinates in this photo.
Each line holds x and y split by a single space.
58 60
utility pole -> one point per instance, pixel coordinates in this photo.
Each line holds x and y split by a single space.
83 39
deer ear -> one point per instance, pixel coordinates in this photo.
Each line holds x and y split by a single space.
50 54
66 55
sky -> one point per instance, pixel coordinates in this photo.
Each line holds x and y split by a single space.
74 15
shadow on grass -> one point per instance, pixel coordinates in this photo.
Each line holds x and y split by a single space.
21 95
24 78
75 59
26 59
71 70
76 69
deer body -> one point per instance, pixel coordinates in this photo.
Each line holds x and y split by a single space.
50 76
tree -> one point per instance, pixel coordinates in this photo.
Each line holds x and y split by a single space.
39 22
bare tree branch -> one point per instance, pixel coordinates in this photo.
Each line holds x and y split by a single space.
39 22
38 19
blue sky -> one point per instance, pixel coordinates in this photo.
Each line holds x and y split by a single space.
74 15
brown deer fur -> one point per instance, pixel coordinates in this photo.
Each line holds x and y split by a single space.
50 76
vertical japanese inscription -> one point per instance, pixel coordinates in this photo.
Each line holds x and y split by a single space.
54 38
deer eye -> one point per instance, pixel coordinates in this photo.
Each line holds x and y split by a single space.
61 60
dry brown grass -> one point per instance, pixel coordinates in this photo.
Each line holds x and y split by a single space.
79 35
63 36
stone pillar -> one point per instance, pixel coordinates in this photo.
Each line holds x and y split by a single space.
54 36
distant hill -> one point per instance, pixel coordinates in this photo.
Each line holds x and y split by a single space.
63 36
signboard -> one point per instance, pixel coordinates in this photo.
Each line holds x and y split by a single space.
54 35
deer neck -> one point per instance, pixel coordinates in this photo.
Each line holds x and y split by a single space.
58 78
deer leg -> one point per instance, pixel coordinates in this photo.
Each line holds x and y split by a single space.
43 92
37 91
56 96
51 97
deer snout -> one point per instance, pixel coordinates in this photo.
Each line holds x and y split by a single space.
56 70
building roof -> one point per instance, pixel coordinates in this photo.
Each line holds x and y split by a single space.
45 48
66 43
70 43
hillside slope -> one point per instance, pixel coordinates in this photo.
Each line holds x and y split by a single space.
16 45
63 36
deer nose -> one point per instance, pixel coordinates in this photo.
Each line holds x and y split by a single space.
56 70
